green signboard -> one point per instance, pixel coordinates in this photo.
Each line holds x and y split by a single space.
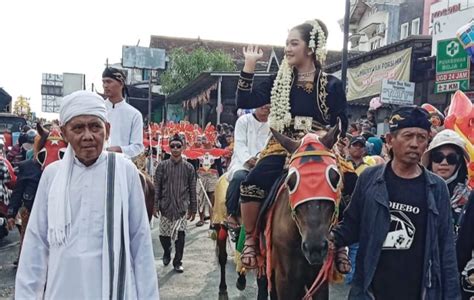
452 67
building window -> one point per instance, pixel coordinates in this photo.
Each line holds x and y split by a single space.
415 26
145 74
404 31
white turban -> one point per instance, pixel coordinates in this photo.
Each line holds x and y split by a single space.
59 208
82 103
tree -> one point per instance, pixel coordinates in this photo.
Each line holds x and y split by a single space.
185 67
22 106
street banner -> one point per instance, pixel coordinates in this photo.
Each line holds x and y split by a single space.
366 79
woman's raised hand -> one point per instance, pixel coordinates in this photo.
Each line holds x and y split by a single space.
252 54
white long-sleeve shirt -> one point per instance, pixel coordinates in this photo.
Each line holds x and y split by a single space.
126 128
74 271
250 137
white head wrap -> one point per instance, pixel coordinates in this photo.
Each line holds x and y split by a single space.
82 103
59 210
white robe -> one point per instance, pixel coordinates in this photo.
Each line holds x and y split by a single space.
126 128
75 270
250 137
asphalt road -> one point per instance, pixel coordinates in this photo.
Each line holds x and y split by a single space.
200 279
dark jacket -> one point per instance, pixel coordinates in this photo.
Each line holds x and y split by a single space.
465 241
367 221
29 174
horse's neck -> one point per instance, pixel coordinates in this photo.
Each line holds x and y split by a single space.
282 217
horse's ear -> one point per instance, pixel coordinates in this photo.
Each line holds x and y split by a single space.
41 131
332 136
289 144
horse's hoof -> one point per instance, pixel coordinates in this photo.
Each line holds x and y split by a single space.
241 283
223 295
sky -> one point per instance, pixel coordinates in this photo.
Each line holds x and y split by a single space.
78 36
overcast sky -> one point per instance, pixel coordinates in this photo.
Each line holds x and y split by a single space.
77 36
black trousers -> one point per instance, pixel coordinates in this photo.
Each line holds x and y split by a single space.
233 192
261 179
178 246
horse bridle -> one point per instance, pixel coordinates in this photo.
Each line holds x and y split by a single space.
335 215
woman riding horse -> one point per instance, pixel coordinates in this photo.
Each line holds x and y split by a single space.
302 98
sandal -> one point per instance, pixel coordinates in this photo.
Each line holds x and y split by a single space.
343 264
199 223
249 252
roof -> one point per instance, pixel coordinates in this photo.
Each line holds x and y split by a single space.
420 43
199 85
202 84
231 48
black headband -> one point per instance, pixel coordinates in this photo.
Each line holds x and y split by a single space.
410 116
118 75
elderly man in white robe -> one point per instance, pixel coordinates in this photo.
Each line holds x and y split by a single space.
88 236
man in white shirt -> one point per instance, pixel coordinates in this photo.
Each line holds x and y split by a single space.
88 235
250 136
126 123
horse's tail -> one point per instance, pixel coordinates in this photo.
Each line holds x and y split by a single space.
149 192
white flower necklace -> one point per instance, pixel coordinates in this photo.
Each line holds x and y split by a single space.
280 116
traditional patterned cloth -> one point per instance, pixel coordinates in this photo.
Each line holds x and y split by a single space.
6 176
25 216
209 182
175 189
171 228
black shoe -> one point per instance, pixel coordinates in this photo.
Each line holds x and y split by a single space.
179 269
166 260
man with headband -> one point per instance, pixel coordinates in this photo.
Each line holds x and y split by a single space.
400 215
88 235
126 132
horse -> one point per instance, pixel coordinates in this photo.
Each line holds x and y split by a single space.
297 225
222 232
49 145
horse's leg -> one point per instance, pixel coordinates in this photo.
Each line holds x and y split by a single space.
221 247
241 283
262 287
323 292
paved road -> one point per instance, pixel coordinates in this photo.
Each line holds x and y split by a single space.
199 281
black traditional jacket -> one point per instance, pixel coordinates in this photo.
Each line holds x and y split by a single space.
325 101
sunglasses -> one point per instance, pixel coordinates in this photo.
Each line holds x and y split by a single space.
175 146
451 159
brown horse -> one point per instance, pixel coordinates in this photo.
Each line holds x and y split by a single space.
304 210
222 232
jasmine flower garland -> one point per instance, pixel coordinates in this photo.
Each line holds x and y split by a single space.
318 48
280 116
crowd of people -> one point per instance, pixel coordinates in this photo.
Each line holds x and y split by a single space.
408 212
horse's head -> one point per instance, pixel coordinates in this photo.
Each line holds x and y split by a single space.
49 146
313 184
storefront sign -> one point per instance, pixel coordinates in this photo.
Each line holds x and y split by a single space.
452 67
397 92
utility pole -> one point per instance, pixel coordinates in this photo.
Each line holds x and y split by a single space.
344 49
150 81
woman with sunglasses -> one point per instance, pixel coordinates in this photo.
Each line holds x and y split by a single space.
447 158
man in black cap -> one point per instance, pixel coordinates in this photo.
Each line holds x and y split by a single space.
357 152
126 122
400 215
175 200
